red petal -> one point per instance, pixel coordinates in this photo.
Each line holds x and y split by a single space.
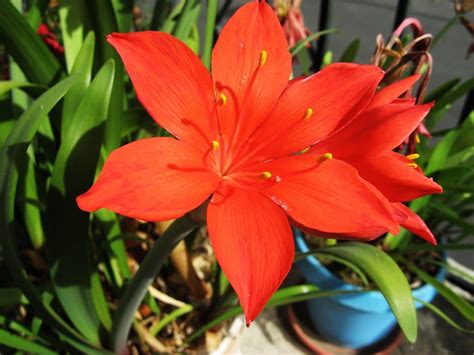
414 223
390 174
393 91
335 95
362 235
251 89
253 243
151 179
333 198
170 82
374 132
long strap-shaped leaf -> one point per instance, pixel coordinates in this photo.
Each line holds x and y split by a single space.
14 150
388 277
26 47
69 245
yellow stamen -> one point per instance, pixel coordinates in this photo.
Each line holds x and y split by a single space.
309 112
215 145
266 175
413 156
412 165
305 150
417 139
323 157
222 99
263 58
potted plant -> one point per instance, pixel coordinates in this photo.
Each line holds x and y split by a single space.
360 320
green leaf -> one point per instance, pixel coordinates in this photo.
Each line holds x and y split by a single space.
443 315
72 266
300 45
187 19
454 94
441 90
162 8
11 296
388 277
28 199
13 152
82 69
72 14
462 306
209 34
123 14
441 153
282 297
104 23
20 343
25 46
8 85
350 53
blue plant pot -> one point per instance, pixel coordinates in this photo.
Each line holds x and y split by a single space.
351 320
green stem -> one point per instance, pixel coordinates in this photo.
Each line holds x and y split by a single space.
209 35
138 287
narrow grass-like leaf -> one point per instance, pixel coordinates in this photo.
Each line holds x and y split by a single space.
388 277
300 45
11 296
25 46
350 53
443 316
463 307
72 14
8 85
68 240
123 14
209 34
104 23
28 199
161 10
282 297
454 94
187 19
82 69
441 90
156 328
20 343
13 152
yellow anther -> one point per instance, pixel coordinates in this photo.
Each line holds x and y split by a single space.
324 157
417 139
263 58
412 165
222 99
215 145
309 112
266 175
413 156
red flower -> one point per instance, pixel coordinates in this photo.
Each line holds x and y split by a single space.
367 143
237 134
50 39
